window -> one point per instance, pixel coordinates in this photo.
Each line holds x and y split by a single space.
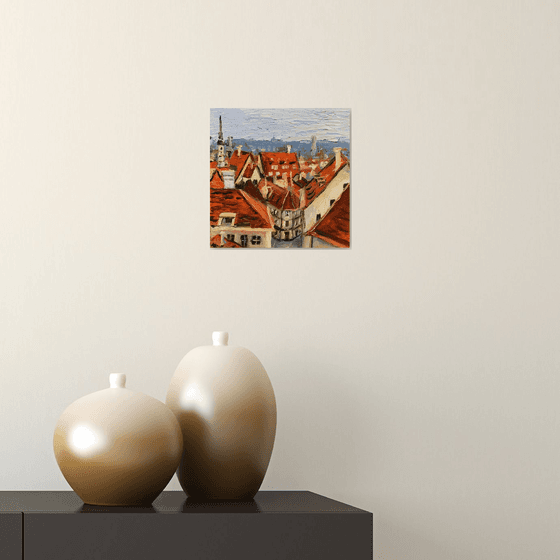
287 235
318 217
230 237
227 219
243 241
256 240
332 201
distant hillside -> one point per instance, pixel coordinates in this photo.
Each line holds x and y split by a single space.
274 145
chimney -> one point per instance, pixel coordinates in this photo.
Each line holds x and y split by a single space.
229 178
288 148
337 158
265 189
239 150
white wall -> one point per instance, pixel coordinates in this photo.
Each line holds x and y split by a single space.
417 373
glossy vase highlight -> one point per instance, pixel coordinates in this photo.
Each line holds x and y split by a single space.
117 447
226 408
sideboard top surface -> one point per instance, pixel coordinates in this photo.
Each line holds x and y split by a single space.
176 502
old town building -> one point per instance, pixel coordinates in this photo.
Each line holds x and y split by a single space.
237 217
333 229
279 166
286 206
325 188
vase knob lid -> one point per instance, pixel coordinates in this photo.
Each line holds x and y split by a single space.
117 380
220 338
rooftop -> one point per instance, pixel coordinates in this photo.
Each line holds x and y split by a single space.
248 211
334 227
324 177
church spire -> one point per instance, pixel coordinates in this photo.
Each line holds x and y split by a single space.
221 150
221 135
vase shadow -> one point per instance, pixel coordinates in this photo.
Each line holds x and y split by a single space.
88 508
192 505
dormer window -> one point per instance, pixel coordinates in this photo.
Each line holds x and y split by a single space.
227 219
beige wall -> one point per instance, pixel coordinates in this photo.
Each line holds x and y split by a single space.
417 374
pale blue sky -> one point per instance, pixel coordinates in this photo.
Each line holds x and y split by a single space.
283 124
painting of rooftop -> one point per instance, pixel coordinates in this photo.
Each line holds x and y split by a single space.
279 178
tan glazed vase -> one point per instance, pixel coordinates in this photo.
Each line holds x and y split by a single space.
225 404
118 447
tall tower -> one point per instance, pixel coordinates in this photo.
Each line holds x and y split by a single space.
229 146
313 145
221 149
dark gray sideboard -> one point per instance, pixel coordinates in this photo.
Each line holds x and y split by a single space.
287 525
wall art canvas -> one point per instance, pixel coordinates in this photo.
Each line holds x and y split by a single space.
279 178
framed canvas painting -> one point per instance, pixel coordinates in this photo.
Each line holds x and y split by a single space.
279 178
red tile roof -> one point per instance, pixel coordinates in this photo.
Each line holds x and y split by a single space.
281 197
239 161
280 159
216 182
249 170
231 244
249 212
213 164
216 241
250 188
319 183
334 227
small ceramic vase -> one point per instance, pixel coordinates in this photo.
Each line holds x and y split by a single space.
118 447
225 404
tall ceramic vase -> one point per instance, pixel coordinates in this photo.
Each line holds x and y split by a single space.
117 447
226 408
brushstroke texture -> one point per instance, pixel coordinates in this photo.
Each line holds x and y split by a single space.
283 124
